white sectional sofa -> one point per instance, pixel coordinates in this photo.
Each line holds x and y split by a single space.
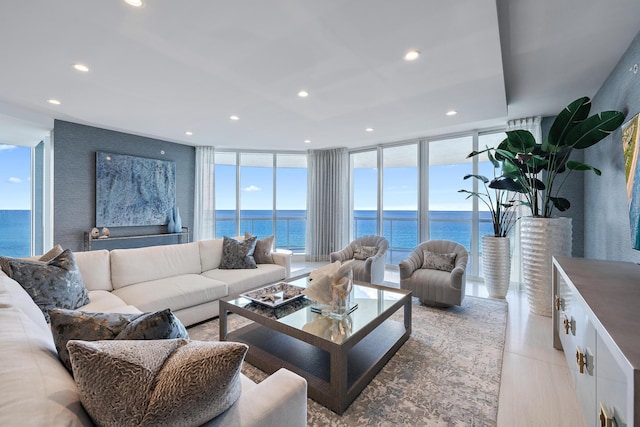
37 390
185 278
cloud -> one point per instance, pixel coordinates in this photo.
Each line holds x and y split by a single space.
13 180
6 147
252 188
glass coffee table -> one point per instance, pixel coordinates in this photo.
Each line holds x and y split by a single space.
338 357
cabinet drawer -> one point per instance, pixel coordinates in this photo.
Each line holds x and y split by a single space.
611 387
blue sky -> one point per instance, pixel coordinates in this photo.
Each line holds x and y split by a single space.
15 177
400 188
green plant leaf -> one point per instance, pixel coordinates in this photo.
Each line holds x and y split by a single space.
572 114
594 129
504 183
520 141
505 154
579 166
480 177
492 159
537 184
560 203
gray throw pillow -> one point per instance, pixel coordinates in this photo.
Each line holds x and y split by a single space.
51 254
439 261
364 252
55 284
158 382
237 254
69 325
264 247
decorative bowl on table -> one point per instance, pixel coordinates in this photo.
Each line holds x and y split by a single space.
275 295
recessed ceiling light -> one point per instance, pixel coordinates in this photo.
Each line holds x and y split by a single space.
411 55
307 141
188 133
452 113
134 3
369 129
303 94
81 67
234 117
53 101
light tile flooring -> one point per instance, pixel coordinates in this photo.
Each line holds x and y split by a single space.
535 388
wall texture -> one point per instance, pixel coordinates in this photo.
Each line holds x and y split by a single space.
607 231
75 149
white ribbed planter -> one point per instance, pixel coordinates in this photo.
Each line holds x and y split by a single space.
496 265
540 239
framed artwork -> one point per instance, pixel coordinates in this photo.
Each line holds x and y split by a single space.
631 147
133 190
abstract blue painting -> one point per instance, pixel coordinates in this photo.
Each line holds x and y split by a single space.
133 190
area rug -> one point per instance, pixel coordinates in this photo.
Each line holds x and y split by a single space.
446 374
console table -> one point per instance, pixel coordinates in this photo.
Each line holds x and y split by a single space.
596 321
90 241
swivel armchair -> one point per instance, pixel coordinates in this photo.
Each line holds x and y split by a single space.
441 280
369 253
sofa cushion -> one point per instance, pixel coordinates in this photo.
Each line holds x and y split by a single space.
104 301
69 325
12 295
36 389
56 284
439 261
175 293
210 253
239 281
130 266
238 254
144 383
95 267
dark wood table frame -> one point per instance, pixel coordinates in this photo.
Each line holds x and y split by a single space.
336 373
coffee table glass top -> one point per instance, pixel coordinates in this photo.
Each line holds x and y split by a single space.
371 303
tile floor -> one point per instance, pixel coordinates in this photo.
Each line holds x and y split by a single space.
535 388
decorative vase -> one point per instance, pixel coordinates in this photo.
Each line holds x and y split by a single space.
171 225
542 238
496 265
177 220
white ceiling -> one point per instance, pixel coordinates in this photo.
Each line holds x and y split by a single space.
172 66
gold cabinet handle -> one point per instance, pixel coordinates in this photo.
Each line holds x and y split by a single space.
558 302
567 325
606 420
581 359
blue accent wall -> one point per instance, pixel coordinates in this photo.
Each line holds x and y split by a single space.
607 233
74 148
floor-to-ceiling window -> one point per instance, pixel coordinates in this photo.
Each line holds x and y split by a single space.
262 194
291 201
256 194
450 212
400 200
15 202
364 192
225 197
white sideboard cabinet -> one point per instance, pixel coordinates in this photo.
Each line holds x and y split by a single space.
596 322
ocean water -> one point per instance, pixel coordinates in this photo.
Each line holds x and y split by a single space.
15 233
400 228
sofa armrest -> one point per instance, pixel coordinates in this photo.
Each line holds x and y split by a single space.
283 257
279 400
457 277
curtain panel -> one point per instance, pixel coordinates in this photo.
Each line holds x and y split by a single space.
327 202
204 198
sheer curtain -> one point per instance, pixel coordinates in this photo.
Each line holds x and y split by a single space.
327 202
204 206
533 125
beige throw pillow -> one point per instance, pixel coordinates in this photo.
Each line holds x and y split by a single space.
364 252
157 382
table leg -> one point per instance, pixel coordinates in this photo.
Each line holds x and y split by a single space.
222 336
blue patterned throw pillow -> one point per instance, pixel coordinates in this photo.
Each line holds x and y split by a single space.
55 284
69 325
237 254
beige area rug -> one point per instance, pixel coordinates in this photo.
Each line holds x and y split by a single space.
446 374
